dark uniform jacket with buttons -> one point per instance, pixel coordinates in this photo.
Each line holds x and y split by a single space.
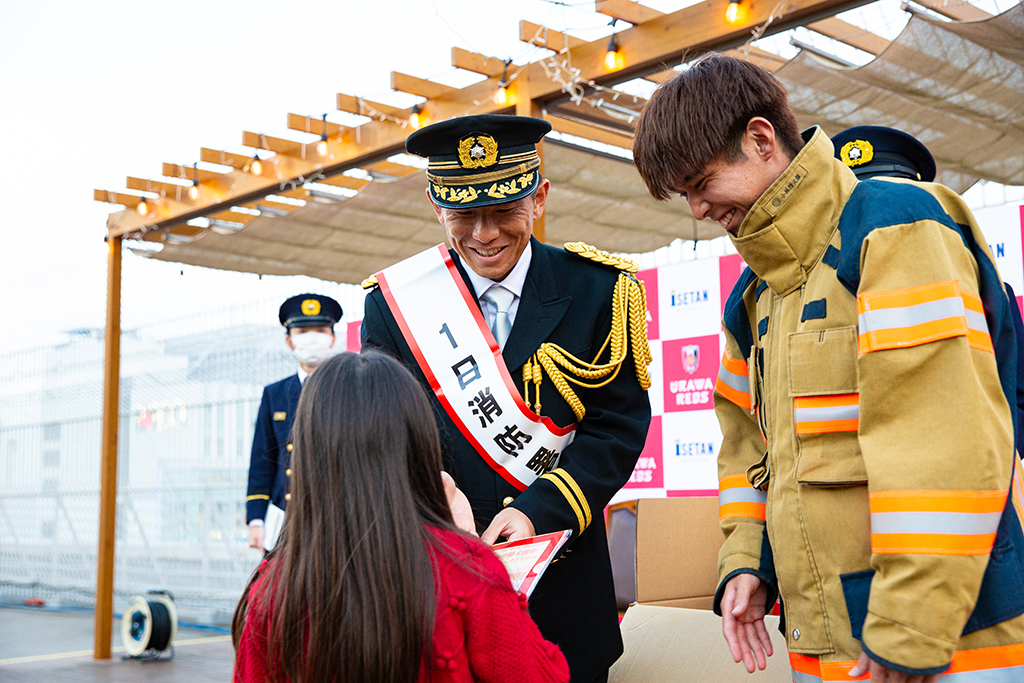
864 397
268 464
566 300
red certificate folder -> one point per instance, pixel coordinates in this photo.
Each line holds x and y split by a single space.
527 558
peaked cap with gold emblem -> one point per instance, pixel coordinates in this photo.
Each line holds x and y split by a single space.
480 160
872 151
309 310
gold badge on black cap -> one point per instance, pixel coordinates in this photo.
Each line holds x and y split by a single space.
857 153
478 151
311 307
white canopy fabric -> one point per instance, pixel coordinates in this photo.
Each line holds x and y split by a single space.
595 198
958 87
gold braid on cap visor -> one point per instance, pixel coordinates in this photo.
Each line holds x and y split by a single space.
480 178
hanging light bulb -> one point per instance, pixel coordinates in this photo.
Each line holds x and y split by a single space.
417 117
256 166
142 207
321 147
613 59
501 97
193 192
732 12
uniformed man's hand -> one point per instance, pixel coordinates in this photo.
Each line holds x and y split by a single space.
510 523
743 610
882 674
257 534
462 511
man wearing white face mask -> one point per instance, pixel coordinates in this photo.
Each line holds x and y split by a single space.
309 320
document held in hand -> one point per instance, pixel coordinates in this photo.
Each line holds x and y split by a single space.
527 558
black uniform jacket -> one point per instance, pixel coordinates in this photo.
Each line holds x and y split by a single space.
270 458
566 300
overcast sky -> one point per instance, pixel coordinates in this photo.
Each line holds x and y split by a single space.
95 91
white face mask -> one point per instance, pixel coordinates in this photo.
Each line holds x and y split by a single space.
312 348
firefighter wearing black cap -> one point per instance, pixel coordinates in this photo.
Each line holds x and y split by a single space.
309 320
877 151
566 329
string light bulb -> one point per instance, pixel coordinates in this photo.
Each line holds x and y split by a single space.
256 166
321 147
193 192
417 117
732 12
142 207
501 97
613 59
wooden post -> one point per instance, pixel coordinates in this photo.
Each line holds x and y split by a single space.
525 106
108 465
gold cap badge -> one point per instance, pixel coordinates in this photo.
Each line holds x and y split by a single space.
311 307
478 151
857 153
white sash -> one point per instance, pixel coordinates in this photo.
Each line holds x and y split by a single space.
457 353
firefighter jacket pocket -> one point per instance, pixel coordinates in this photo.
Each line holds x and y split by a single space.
826 406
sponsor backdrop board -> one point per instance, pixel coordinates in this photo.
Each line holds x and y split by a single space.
684 309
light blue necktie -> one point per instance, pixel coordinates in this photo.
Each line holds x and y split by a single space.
502 299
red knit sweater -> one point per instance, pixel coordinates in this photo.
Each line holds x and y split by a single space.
482 631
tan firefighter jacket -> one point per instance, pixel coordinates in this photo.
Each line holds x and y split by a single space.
868 443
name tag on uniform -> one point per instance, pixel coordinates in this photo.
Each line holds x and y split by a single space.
280 416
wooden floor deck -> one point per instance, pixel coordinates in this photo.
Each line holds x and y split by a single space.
57 646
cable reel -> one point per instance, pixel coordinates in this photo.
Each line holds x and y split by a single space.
148 626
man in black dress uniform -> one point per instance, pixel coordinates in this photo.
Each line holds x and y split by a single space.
552 313
309 321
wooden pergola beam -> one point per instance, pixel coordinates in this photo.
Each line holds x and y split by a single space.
161 188
314 125
420 87
590 131
851 35
548 38
491 67
276 145
357 105
647 47
188 173
347 182
232 159
626 10
957 11
129 200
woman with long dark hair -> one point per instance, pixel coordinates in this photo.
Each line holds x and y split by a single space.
370 580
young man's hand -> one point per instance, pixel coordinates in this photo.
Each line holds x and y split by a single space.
743 610
883 674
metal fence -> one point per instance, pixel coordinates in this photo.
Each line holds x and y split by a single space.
190 390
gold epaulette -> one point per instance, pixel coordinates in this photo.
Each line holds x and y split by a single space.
591 252
370 282
629 328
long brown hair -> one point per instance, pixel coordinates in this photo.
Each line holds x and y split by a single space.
700 116
351 592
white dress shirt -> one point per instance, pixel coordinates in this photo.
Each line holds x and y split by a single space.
513 282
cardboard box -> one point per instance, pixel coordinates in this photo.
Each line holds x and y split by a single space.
677 542
671 635
673 645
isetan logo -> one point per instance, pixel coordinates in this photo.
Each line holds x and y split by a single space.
691 298
694 448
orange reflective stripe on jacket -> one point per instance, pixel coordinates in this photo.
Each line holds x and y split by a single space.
935 522
901 318
826 414
733 381
737 498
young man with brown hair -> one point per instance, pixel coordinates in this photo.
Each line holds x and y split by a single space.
867 474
